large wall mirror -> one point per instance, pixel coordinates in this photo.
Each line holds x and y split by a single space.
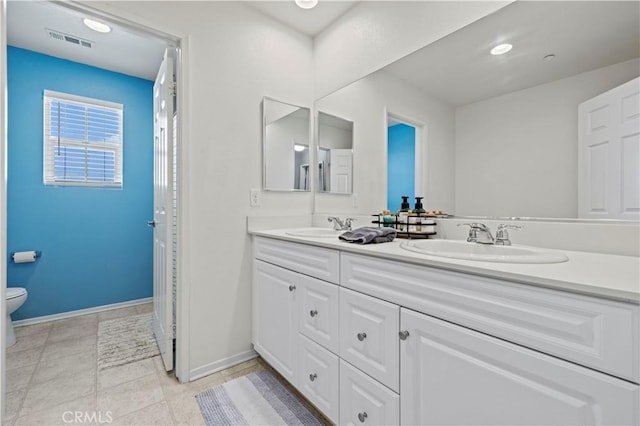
335 154
499 133
285 146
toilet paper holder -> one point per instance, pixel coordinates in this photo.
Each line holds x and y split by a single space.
37 255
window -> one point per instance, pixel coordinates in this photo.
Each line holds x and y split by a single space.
82 141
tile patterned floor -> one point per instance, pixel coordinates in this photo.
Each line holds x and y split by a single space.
52 372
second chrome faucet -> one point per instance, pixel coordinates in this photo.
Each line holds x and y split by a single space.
480 233
339 224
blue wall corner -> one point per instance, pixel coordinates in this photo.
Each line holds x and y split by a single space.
401 169
96 247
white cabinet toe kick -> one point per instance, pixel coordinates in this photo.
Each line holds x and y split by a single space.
376 341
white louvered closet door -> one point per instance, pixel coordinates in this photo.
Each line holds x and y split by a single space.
163 327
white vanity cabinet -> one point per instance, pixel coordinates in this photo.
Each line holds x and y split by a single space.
377 341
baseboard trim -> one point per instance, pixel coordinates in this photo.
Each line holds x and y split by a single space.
80 312
216 366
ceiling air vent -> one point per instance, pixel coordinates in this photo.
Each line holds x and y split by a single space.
57 35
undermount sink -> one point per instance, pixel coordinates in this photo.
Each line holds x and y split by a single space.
463 250
314 232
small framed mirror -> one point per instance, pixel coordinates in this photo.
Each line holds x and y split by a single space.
285 146
335 154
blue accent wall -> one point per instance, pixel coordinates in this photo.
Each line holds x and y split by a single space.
401 169
96 247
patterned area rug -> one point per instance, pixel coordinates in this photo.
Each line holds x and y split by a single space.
256 399
125 340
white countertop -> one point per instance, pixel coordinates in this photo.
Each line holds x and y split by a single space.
595 274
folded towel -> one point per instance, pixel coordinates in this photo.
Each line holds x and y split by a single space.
369 235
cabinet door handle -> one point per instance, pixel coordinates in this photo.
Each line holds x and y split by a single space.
313 377
362 416
292 287
313 313
403 335
362 336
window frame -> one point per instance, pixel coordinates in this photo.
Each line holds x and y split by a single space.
49 179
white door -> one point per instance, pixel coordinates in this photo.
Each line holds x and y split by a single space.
276 325
609 154
453 375
341 170
163 316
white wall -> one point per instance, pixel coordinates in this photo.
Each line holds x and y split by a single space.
516 154
235 57
366 103
374 34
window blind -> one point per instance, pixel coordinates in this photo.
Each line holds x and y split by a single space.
82 141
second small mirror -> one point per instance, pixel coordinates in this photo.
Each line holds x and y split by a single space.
335 154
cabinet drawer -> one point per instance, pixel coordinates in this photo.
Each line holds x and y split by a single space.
369 336
313 261
319 311
365 401
317 378
594 332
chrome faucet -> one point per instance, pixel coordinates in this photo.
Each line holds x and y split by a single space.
502 235
478 233
339 225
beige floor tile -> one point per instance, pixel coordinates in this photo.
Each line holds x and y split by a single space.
77 330
57 368
30 341
18 378
186 410
131 396
125 373
24 358
207 382
67 347
55 392
65 414
26 330
156 414
76 321
117 313
144 308
13 401
230 375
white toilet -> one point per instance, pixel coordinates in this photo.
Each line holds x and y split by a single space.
16 296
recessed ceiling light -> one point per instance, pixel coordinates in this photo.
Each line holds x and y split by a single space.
501 49
307 4
299 148
96 26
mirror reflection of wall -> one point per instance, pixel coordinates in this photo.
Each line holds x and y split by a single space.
285 146
501 132
335 154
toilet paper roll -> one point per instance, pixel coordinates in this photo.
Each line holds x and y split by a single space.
24 256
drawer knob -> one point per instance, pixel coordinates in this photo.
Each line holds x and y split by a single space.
362 416
292 287
313 313
403 335
313 377
362 336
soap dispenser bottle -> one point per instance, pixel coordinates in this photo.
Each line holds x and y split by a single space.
403 214
417 220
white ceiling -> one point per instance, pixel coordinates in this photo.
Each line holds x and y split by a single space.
122 50
311 21
584 36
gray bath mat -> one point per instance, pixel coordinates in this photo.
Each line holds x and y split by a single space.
125 340
256 399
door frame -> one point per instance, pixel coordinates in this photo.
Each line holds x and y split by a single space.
181 43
